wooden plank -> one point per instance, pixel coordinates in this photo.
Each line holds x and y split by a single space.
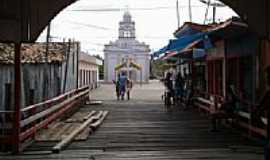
96 124
58 130
204 101
50 110
55 99
247 116
89 115
58 147
42 124
259 131
202 106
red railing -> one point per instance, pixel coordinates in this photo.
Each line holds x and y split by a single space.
38 116
204 102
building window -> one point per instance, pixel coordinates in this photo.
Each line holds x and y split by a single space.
127 34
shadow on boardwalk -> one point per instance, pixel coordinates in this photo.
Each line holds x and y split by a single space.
140 129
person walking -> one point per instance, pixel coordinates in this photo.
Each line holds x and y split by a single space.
117 87
179 85
129 87
169 89
122 85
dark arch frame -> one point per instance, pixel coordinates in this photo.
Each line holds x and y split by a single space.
24 20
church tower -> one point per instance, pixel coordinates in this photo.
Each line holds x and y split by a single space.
127 27
126 49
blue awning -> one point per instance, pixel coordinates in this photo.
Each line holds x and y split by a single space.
180 43
159 52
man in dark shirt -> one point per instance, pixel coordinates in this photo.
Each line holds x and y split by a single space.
169 87
179 82
122 85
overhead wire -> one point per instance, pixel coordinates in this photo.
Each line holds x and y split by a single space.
135 9
90 25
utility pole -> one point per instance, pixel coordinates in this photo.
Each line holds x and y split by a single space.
177 14
190 10
48 40
206 12
214 14
48 72
215 5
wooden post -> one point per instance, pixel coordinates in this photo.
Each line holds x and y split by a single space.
268 126
77 61
17 99
225 71
67 66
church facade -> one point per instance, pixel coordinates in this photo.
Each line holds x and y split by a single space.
126 54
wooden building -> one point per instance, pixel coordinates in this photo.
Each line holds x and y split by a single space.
232 60
43 75
88 70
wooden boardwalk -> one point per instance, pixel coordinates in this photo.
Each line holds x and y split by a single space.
141 129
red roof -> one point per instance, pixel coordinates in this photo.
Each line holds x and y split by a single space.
195 26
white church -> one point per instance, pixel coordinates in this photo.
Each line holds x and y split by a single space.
126 54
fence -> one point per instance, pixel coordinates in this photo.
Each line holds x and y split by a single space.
35 117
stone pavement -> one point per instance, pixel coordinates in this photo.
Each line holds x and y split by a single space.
141 129
140 93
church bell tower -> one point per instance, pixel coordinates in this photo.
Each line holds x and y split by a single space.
127 27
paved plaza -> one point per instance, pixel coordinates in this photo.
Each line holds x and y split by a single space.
140 93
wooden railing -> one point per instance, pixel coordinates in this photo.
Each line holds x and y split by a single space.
209 102
244 118
38 116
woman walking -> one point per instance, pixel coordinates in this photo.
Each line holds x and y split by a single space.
122 85
129 87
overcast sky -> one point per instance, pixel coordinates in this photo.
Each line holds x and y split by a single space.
95 23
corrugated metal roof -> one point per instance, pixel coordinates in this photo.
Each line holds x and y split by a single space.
33 53
84 57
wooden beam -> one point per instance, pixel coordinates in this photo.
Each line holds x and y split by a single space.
95 125
89 115
256 130
17 99
59 146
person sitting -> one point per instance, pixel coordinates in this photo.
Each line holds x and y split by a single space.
262 106
227 109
